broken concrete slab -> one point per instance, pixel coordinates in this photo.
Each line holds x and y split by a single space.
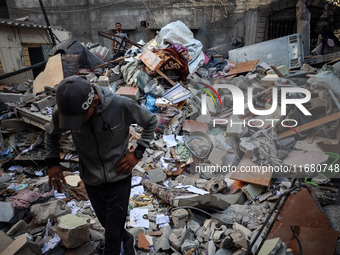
49 210
270 246
236 127
215 185
239 239
332 212
18 228
252 191
6 212
180 218
163 242
73 230
157 175
22 246
188 245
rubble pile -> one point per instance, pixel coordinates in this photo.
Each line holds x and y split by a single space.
236 165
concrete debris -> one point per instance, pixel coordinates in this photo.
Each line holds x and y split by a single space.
229 144
50 210
180 218
73 230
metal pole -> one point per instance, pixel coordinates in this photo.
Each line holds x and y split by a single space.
47 22
22 70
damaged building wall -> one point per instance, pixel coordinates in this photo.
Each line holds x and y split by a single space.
213 22
19 42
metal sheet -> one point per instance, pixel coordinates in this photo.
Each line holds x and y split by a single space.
299 210
315 241
285 50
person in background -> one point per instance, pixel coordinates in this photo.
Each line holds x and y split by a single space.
119 45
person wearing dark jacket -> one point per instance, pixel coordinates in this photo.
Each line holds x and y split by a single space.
99 121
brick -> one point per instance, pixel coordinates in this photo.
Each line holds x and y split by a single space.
130 92
45 102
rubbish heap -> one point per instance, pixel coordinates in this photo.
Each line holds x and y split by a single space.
265 185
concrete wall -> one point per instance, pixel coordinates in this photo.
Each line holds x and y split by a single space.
214 22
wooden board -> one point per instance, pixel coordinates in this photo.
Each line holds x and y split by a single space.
151 60
51 76
310 125
243 67
259 178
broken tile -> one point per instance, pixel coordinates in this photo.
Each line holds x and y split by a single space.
143 243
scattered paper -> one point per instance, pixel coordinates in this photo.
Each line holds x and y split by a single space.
197 190
13 168
170 140
58 195
180 138
161 219
192 189
137 191
136 180
136 218
73 206
51 244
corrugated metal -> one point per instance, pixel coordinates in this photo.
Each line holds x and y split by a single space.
25 24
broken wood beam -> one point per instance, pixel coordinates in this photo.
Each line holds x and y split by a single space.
111 61
310 125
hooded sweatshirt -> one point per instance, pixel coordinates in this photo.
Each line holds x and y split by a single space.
103 140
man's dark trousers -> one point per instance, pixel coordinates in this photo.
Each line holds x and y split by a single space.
110 202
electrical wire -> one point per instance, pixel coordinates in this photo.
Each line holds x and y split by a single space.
150 13
67 11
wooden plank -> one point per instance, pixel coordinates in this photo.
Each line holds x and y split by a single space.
310 125
51 76
254 177
243 67
320 59
153 62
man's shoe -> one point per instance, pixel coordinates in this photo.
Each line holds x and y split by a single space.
129 245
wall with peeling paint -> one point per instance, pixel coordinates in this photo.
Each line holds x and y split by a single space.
214 22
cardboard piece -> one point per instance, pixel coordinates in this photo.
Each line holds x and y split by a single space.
51 76
243 67
259 178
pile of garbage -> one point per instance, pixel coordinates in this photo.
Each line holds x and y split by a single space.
245 157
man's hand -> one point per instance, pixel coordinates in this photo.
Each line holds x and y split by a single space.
55 176
126 164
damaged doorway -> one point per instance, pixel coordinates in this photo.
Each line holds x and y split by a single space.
281 23
34 54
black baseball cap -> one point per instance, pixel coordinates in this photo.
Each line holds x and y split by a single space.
74 97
